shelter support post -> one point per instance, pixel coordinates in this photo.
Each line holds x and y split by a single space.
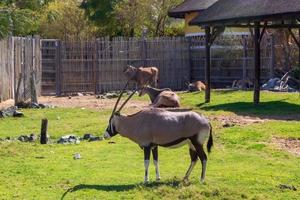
257 36
207 63
299 52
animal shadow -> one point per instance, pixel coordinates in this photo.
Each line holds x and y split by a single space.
121 188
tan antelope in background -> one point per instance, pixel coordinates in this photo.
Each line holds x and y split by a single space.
196 86
151 128
143 76
161 97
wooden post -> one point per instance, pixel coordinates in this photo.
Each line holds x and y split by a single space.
190 77
207 64
257 64
245 60
58 68
17 92
272 64
34 98
299 51
95 66
44 128
144 38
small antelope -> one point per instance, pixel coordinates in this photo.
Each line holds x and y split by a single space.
161 97
143 76
196 86
155 127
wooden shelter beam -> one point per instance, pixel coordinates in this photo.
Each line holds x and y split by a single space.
257 34
262 33
269 26
294 38
207 63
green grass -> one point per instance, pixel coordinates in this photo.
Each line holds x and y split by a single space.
243 164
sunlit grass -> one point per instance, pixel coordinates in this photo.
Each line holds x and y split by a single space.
243 163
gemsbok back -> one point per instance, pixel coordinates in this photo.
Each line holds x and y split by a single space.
151 128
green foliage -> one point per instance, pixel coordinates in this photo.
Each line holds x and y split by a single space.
244 164
20 17
64 20
131 17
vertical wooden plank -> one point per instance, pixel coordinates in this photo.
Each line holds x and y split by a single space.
208 64
58 68
257 65
272 58
245 59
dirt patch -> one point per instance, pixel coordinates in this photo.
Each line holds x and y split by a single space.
291 145
235 120
288 117
90 102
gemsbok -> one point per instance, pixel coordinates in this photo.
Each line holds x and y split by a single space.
151 128
161 97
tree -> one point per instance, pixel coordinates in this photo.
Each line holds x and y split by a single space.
20 17
130 17
135 15
101 13
65 20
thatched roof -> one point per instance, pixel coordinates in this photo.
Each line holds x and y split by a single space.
243 11
190 6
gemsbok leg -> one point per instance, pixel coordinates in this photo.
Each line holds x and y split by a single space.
147 153
194 158
201 154
155 161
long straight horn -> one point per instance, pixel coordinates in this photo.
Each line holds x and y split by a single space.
122 106
119 98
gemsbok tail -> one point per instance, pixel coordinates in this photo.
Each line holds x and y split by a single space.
210 142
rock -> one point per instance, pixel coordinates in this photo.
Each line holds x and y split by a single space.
80 94
227 124
287 187
17 114
100 97
32 137
24 138
87 136
271 84
76 156
69 139
8 138
111 95
34 105
94 139
11 112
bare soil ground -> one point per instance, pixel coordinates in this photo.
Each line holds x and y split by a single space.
291 145
90 102
233 120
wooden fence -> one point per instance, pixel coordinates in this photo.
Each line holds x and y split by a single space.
20 63
232 58
97 66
